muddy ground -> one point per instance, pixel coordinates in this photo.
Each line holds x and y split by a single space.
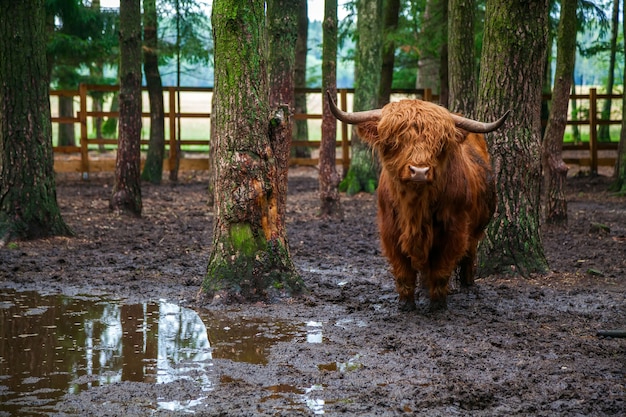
513 347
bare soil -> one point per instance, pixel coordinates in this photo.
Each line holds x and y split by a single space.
510 347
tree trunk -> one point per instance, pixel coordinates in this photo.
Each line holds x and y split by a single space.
619 184
555 168
461 62
603 130
329 178
126 196
574 103
429 43
153 168
282 21
301 127
363 172
28 203
511 78
390 25
109 127
250 258
67 134
96 72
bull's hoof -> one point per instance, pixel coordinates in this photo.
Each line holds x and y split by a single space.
406 305
438 305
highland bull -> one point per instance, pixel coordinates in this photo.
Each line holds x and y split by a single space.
436 192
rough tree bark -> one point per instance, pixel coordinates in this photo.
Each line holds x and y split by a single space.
511 76
363 172
282 26
329 178
250 257
153 168
461 62
28 203
429 43
619 183
390 24
300 127
554 166
603 130
126 196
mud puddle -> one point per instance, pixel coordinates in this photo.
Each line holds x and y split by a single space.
52 346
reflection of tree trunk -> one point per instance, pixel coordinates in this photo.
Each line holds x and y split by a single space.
151 353
132 343
67 135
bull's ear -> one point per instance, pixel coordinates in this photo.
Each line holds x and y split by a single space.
368 132
461 135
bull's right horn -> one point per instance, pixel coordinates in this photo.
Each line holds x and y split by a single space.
478 127
352 118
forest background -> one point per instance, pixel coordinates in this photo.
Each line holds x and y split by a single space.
592 55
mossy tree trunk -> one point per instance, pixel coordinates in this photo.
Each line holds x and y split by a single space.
511 76
330 202
363 172
461 62
126 196
250 257
153 168
28 202
300 127
555 167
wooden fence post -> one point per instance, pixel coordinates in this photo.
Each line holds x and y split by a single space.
345 147
428 94
82 116
593 131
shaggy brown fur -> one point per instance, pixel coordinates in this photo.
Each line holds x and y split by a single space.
433 225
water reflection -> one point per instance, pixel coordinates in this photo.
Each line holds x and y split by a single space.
54 344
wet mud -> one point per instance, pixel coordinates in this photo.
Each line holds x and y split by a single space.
508 347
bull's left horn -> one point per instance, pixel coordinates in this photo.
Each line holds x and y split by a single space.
352 118
478 127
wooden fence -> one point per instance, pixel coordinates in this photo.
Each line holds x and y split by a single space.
87 156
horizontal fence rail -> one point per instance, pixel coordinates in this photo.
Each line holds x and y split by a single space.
93 152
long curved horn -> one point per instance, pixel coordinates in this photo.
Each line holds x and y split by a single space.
478 127
352 118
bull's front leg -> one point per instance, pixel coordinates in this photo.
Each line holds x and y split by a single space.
406 278
451 246
467 265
